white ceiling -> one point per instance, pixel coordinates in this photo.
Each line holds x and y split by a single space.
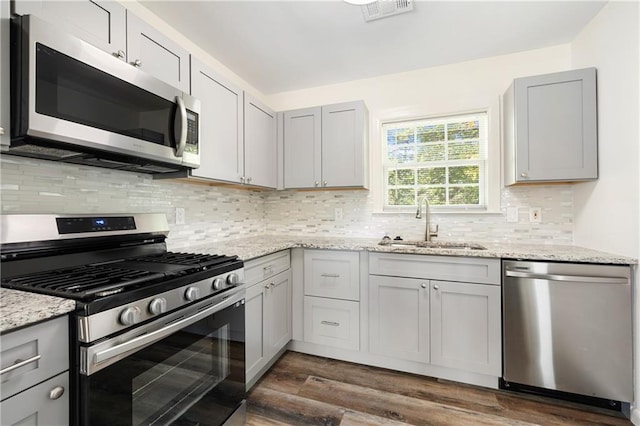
287 45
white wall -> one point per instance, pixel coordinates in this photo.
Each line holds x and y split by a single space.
606 211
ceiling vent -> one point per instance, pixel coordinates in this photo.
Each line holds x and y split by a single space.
384 8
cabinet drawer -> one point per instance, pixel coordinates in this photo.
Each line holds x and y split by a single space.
37 406
333 274
446 268
332 322
45 344
264 267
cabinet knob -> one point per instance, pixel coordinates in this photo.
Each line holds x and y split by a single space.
316 183
1 130
324 183
137 63
266 286
248 180
241 179
423 285
523 174
56 392
119 54
436 287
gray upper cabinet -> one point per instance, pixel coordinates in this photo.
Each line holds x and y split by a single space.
155 53
110 27
260 152
302 148
326 146
101 23
550 128
221 132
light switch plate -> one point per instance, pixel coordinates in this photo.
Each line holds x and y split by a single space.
180 216
512 214
338 214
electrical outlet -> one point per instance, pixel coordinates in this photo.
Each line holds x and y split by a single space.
512 214
337 214
180 216
535 215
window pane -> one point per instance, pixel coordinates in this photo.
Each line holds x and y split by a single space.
430 152
401 197
402 154
435 195
432 176
430 133
464 150
400 136
464 174
464 195
463 130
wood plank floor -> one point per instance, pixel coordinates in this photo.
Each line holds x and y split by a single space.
306 390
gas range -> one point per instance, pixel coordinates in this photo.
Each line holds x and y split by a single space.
116 267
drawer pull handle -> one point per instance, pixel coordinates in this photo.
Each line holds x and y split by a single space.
56 392
19 363
268 269
330 275
331 323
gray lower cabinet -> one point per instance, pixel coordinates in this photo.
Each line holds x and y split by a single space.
326 146
267 312
399 318
550 128
444 311
35 378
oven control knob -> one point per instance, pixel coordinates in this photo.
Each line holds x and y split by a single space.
130 315
158 306
192 294
232 279
218 283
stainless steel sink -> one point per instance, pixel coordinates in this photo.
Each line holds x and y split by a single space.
442 245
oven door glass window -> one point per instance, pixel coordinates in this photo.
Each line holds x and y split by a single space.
74 91
193 377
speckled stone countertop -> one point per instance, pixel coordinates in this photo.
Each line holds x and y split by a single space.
19 308
252 247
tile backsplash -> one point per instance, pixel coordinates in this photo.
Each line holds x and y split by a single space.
216 213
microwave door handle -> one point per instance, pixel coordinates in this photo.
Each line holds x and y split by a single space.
180 127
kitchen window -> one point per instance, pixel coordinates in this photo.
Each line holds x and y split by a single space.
442 158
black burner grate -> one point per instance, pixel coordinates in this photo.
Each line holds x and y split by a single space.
204 261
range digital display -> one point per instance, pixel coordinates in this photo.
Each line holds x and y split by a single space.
76 225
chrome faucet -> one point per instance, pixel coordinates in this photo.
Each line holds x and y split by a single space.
428 233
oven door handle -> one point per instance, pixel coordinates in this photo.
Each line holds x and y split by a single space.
154 336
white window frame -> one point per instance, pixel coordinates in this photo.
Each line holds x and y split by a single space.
492 105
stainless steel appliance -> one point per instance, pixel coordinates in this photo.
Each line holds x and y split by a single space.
567 328
158 337
72 102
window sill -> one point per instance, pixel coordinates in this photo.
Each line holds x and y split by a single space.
479 212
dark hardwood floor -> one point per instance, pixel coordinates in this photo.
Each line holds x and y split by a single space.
306 390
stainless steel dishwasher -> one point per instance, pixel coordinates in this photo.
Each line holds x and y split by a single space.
567 328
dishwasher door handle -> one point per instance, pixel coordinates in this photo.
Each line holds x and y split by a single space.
574 278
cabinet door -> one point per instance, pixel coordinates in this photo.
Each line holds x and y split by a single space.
46 404
399 317
221 138
343 144
465 327
5 130
260 153
254 310
278 312
555 127
155 53
101 23
302 148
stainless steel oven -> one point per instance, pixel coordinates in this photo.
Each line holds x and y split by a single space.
72 102
186 368
157 337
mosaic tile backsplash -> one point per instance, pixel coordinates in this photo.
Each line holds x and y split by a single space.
215 213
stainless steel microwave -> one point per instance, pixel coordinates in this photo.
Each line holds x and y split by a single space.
73 102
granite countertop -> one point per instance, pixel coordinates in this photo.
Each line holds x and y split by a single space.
19 308
251 247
